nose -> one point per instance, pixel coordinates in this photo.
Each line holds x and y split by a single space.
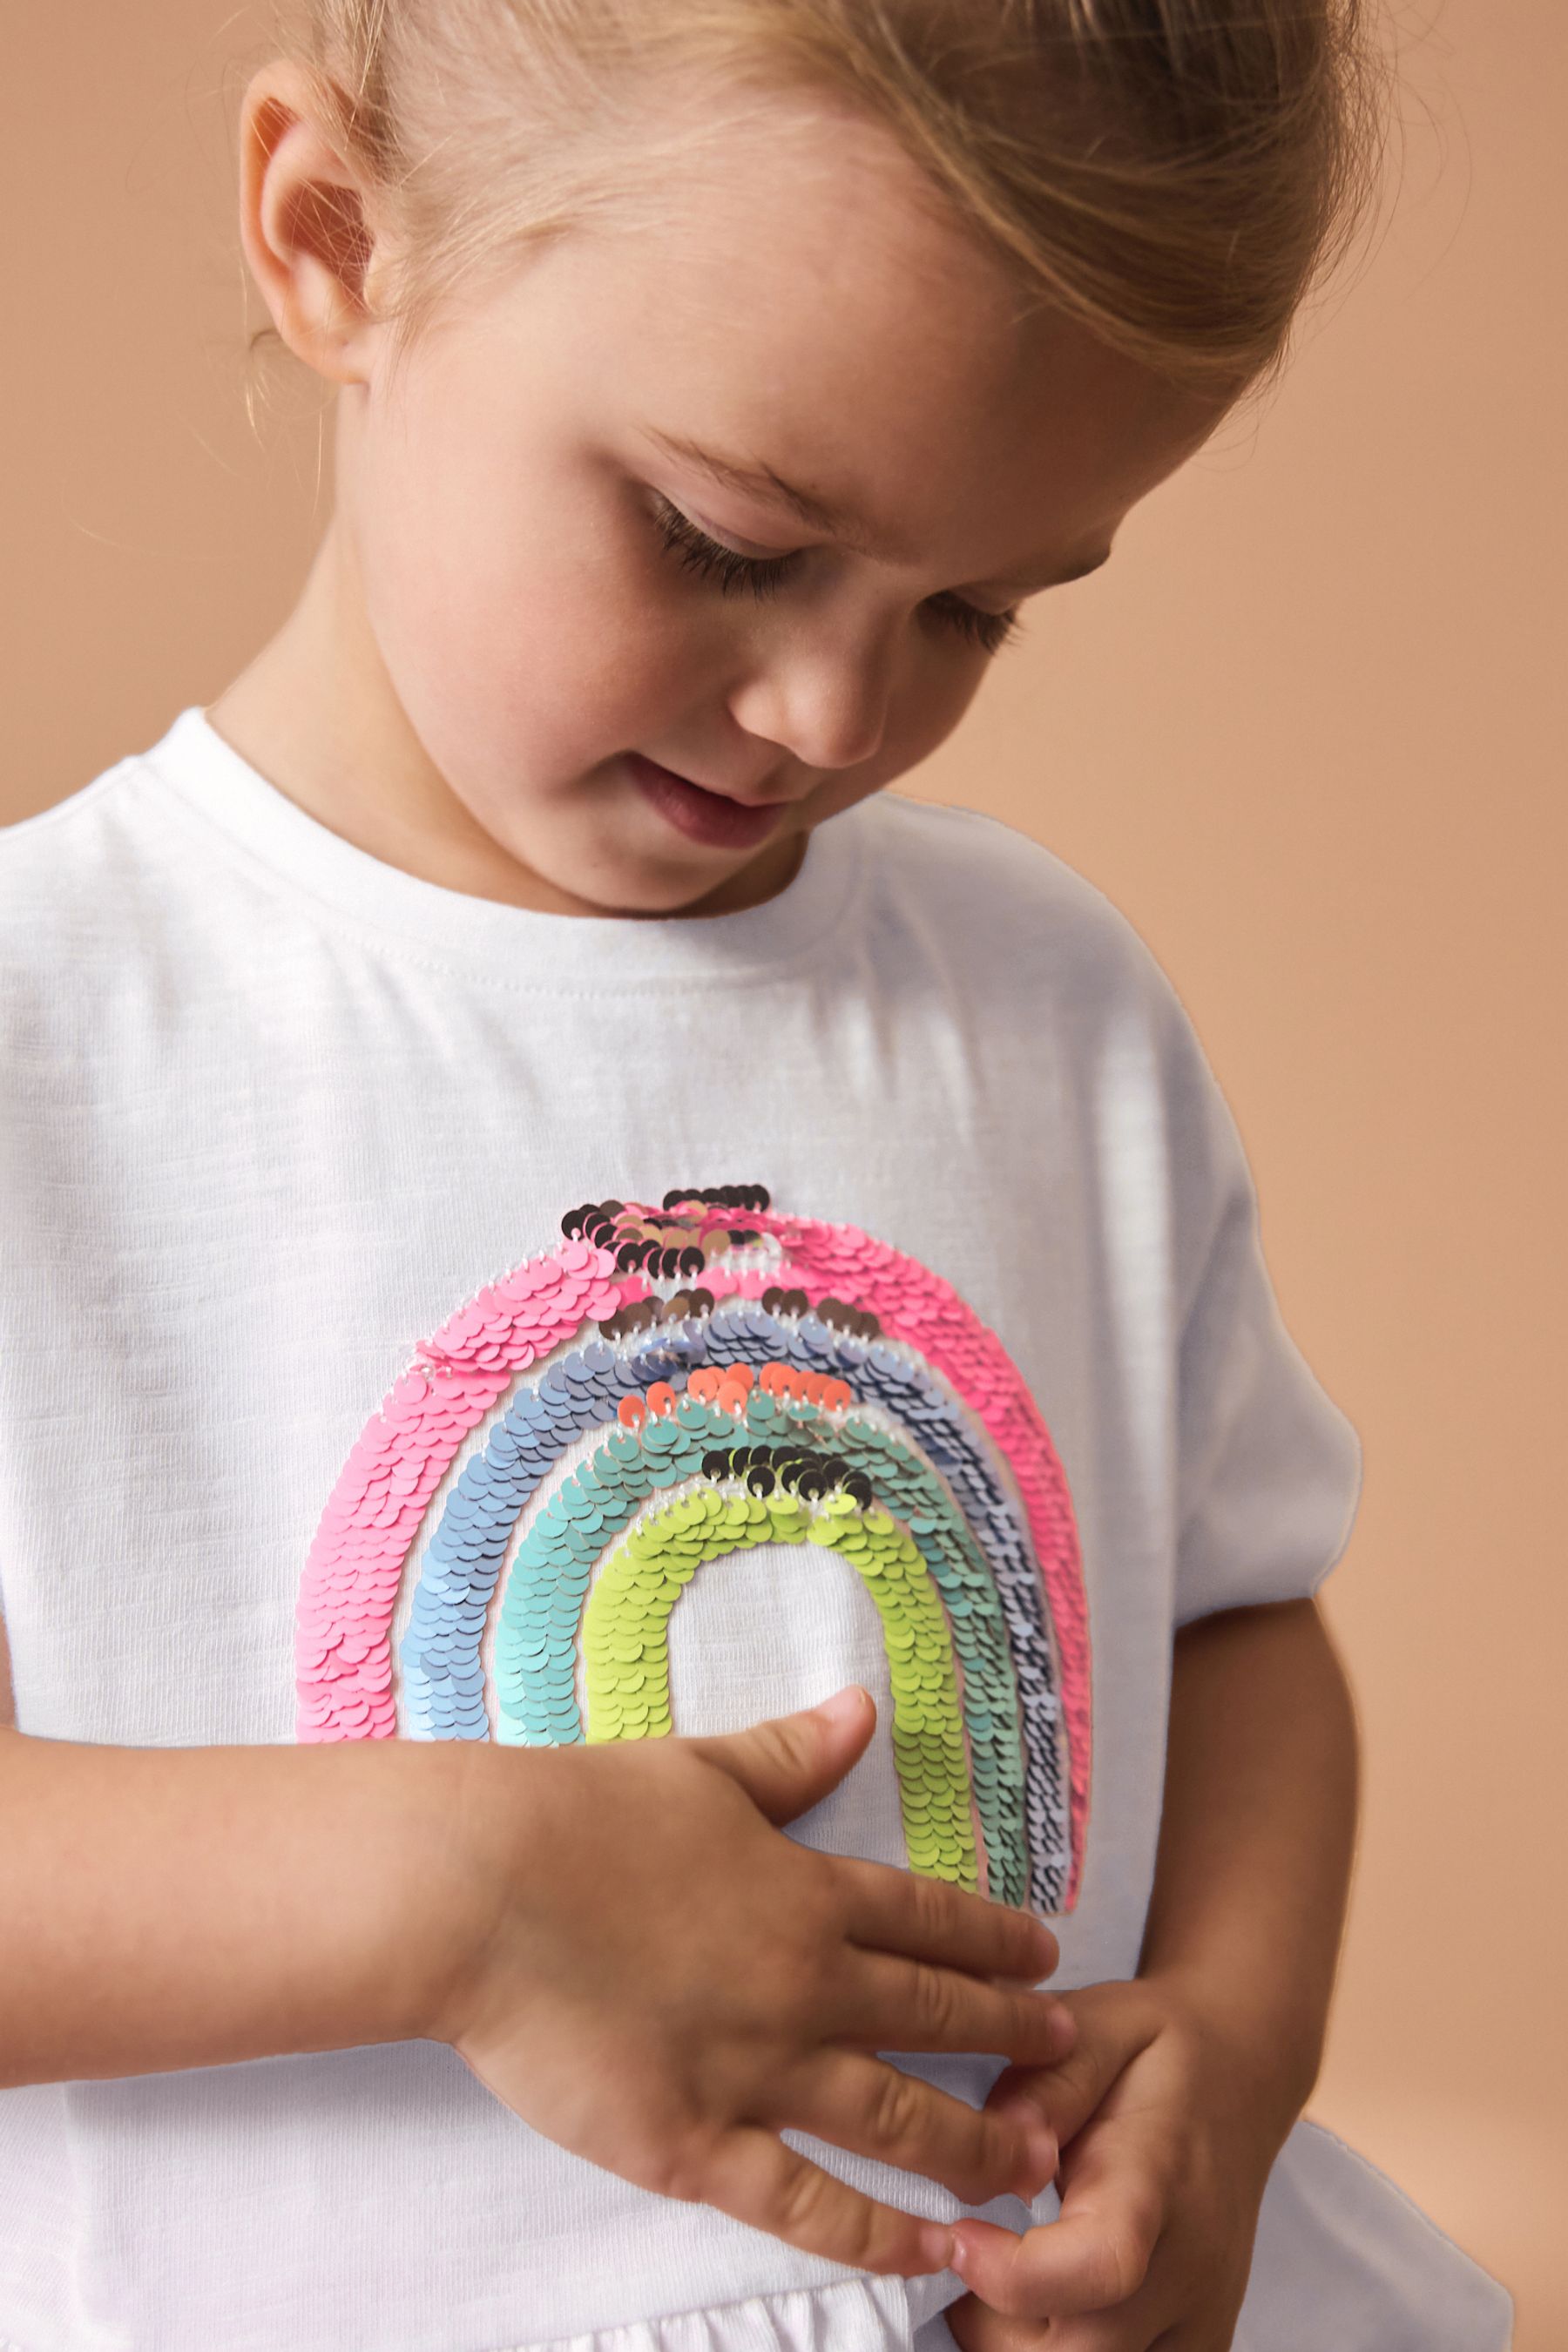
822 693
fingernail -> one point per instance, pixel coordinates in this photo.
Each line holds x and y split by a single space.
936 2245
842 1702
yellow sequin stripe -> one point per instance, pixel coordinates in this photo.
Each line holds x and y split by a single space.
625 1645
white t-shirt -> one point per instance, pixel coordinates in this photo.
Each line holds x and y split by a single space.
317 1421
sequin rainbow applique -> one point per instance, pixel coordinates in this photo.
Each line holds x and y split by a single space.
675 1384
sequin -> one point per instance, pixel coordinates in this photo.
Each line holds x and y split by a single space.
786 1313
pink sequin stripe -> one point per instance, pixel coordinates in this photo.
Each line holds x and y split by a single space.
342 1651
918 1307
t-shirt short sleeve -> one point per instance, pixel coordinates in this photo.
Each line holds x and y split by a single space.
1268 1468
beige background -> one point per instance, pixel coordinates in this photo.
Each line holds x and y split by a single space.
1308 731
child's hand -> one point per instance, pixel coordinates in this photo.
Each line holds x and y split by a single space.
652 1975
1166 2153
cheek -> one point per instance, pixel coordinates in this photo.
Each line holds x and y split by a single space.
936 687
512 617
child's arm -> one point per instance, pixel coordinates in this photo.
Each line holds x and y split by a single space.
617 1939
1183 2084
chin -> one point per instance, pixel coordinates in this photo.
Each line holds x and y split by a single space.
677 882
654 895
625 885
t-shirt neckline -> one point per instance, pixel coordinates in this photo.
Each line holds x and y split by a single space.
562 950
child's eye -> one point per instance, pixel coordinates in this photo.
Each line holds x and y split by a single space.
763 576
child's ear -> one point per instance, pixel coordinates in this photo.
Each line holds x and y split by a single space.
305 225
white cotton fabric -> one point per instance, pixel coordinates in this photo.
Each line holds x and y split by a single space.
271 1110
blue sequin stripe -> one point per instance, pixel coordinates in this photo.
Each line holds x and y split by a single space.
536 1636
438 1656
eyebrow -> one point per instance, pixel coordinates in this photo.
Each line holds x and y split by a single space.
761 482
757 480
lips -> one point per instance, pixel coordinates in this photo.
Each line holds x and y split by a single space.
709 817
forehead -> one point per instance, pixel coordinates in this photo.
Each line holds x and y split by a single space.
797 291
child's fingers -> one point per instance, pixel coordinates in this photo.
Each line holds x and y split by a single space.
1139 2325
788 1763
891 2003
1136 2327
975 2327
874 2109
752 2176
897 1910
1095 2256
1063 2095
1111 2032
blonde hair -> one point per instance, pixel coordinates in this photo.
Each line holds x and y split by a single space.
1176 173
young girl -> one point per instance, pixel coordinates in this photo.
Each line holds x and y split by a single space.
642 1420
